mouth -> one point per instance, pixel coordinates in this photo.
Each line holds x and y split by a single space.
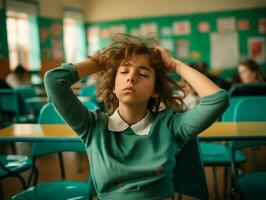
128 89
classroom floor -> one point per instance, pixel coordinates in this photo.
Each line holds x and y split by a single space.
49 171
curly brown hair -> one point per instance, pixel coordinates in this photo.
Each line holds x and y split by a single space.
120 50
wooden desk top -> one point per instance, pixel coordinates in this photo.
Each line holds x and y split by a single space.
56 132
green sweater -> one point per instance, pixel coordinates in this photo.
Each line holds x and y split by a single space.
125 165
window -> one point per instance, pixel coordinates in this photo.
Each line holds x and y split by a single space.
74 36
23 35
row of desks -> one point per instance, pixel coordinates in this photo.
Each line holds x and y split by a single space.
219 131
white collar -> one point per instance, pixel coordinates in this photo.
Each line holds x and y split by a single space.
117 124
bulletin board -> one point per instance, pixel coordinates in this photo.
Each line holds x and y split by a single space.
196 37
51 38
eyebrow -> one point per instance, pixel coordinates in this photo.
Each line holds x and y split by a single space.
140 66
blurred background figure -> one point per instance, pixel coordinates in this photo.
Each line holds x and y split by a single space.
248 72
19 77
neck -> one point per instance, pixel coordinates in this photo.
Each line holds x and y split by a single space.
132 114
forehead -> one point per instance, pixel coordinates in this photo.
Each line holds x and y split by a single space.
138 60
243 68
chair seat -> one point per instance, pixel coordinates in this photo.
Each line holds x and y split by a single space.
253 185
14 163
219 154
55 191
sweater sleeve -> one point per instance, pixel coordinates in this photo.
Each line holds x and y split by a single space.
197 119
75 114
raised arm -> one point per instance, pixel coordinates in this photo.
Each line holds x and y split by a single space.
212 103
202 85
58 82
87 67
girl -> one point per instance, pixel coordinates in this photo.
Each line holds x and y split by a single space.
249 72
132 148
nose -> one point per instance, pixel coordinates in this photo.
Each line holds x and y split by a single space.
131 77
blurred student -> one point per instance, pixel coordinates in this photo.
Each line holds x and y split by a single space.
249 72
19 77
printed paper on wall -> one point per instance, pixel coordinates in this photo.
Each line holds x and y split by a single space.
181 28
148 28
256 49
204 27
226 24
182 48
224 50
166 31
262 26
243 24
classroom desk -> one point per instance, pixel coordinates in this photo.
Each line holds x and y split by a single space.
224 131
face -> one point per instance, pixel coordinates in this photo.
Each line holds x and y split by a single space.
135 81
246 75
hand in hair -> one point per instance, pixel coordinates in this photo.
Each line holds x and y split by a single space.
168 60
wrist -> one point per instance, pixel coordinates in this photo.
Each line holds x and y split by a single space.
178 66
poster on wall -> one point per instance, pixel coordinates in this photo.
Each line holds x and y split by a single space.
204 27
262 26
148 29
166 31
118 29
224 50
181 28
106 33
243 25
226 24
134 32
182 48
168 44
256 49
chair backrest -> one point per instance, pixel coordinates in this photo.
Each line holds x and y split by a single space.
246 109
228 114
91 105
89 91
251 109
248 90
189 175
9 102
49 115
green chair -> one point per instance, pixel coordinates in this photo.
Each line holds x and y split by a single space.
57 189
89 91
49 115
10 104
250 185
189 179
219 154
32 109
12 166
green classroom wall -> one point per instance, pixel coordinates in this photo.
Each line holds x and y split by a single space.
199 41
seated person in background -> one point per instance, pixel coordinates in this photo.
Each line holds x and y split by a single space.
19 77
249 72
203 68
